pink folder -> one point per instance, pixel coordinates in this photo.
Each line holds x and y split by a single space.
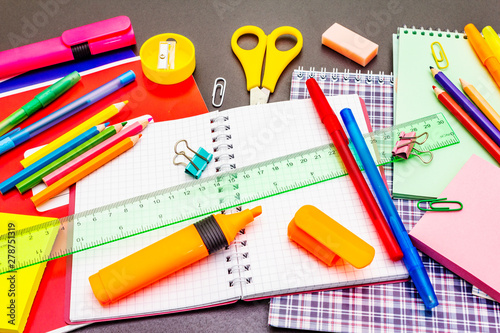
467 241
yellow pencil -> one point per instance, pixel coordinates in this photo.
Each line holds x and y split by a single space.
99 118
481 103
84 170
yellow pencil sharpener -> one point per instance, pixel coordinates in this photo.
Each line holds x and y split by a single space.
327 239
168 58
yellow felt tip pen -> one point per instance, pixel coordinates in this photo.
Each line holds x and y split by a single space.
168 255
493 40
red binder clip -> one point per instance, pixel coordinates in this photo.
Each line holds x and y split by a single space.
405 146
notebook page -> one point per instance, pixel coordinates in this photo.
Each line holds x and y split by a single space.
278 265
145 168
415 99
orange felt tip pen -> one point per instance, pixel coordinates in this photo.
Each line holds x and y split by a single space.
168 255
483 51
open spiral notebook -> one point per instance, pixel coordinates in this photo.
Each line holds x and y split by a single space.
262 262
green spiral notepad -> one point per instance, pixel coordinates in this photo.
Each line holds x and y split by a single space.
414 98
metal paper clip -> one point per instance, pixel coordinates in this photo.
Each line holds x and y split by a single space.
166 55
197 163
405 146
222 90
442 55
440 201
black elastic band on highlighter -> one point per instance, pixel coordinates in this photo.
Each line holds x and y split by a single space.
211 234
81 51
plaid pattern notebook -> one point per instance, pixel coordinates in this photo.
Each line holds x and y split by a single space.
391 307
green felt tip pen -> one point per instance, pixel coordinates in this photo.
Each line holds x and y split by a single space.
36 178
39 101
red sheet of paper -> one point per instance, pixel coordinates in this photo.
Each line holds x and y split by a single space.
145 97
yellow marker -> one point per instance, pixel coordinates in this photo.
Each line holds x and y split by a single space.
327 239
99 118
492 40
481 103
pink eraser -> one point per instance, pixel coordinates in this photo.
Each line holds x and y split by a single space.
349 44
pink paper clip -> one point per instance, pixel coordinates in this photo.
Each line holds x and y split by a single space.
405 146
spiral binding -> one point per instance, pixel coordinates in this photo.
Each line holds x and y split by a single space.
240 280
221 139
432 32
336 76
236 255
240 265
224 160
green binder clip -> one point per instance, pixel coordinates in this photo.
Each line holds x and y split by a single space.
197 163
433 202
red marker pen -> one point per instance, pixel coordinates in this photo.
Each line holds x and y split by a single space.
339 138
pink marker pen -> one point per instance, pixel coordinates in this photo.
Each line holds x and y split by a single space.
74 44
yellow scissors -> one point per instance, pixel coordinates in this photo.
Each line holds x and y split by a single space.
276 60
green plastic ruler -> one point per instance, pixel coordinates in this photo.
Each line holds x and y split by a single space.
195 199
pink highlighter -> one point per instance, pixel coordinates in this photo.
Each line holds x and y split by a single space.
74 44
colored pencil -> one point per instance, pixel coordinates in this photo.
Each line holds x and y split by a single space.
481 103
131 130
102 116
84 170
468 123
11 182
36 178
462 100
11 140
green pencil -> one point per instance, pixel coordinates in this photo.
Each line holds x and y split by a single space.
36 178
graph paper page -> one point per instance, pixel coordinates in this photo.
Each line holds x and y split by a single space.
258 133
278 265
145 168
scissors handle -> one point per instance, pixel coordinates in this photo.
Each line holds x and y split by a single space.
276 60
251 60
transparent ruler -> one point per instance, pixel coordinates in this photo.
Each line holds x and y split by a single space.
50 240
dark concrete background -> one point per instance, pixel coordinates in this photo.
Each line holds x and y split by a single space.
209 25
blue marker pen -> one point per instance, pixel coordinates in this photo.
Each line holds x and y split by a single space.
410 255
66 111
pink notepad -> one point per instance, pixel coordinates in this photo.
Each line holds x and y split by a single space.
467 241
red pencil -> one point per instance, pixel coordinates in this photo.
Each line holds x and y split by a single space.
468 123
339 138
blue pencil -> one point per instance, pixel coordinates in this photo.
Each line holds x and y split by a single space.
11 182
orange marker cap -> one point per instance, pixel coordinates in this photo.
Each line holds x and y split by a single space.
478 43
327 239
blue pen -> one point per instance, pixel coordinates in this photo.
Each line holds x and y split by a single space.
11 182
410 255
66 111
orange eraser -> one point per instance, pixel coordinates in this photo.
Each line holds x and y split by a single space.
349 44
327 239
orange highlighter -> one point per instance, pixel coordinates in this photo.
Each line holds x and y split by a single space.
483 51
168 255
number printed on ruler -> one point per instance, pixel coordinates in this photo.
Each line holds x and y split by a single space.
212 194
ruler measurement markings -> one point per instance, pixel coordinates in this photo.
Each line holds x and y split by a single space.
173 205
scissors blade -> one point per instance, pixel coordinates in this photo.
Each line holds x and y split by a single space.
259 96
